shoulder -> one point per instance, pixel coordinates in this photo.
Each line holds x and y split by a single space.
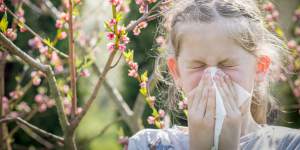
169 138
271 136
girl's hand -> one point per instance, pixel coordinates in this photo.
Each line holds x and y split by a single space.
231 129
201 112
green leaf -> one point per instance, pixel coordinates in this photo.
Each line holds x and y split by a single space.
48 42
4 23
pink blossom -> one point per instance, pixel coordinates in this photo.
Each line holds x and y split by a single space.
151 120
59 68
85 73
2 8
110 36
151 1
268 7
62 35
11 34
23 29
136 31
13 114
124 39
111 47
36 81
43 49
143 24
50 103
20 13
116 2
122 47
112 22
39 98
133 65
161 113
42 107
5 104
79 110
59 24
142 8
77 1
133 73
15 94
292 44
64 16
275 15
139 2
160 40
143 85
23 106
35 43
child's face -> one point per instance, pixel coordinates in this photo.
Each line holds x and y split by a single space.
202 46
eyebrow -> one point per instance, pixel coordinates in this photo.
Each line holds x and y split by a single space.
199 61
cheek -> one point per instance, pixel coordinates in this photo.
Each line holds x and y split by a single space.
243 78
190 80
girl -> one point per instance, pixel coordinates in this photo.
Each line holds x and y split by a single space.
229 35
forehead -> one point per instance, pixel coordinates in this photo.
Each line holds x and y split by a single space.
205 40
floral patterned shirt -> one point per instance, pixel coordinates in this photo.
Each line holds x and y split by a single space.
268 137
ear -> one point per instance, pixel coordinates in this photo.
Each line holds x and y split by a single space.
173 69
262 67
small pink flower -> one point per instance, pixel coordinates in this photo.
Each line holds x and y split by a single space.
112 22
124 39
42 107
161 113
35 43
59 68
116 2
50 103
23 29
62 35
20 13
15 94
85 73
143 85
151 120
110 36
133 65
43 49
36 81
139 2
142 8
11 34
111 47
133 73
122 47
275 15
79 110
64 16
160 40
23 106
268 7
151 1
59 24
143 24
136 31
292 44
39 98
77 1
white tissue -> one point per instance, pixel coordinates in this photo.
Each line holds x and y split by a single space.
243 95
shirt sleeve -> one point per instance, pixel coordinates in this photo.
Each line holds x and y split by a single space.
272 137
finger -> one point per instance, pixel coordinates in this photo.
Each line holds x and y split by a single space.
233 101
211 103
199 91
202 107
220 83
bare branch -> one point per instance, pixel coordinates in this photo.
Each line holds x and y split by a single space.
34 128
72 60
13 49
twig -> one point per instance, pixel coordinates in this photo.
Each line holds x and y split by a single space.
72 60
2 94
35 136
13 49
34 128
35 34
114 65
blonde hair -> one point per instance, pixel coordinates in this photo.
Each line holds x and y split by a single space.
244 22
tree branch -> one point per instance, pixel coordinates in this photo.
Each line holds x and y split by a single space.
72 60
13 49
34 128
